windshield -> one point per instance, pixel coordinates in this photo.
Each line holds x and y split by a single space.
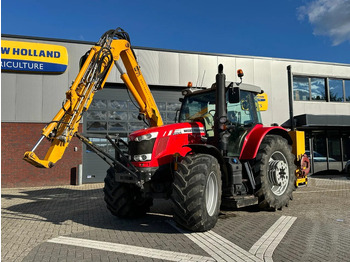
244 113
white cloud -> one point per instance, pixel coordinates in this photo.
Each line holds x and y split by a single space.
329 18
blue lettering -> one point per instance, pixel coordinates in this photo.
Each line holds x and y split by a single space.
16 51
49 53
32 52
24 51
5 50
42 53
57 54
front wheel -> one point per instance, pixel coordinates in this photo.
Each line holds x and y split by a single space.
274 169
197 192
124 200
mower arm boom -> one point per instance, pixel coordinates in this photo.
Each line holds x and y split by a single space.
112 46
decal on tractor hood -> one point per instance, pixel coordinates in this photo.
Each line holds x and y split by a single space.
189 130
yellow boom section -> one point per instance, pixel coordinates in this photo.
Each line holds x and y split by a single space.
92 77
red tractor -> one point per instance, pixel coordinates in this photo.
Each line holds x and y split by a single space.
218 153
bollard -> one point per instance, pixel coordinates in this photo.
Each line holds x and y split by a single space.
80 174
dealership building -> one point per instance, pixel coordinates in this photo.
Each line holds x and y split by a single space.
36 73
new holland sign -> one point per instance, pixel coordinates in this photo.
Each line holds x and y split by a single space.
33 57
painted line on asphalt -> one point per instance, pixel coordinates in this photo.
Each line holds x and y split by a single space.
322 190
217 246
128 249
267 244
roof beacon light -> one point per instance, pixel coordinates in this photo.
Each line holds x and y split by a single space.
189 84
240 73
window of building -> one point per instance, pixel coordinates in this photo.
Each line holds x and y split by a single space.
320 147
336 92
301 88
321 89
346 146
334 148
347 90
318 89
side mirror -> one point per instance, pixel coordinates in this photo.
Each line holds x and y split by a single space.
234 95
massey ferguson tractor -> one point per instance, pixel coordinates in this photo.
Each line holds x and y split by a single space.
218 153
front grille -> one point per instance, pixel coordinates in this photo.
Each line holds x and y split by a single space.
139 148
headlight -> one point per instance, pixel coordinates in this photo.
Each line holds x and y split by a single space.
143 157
148 136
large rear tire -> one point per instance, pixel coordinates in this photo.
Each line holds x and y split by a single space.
274 170
124 200
197 192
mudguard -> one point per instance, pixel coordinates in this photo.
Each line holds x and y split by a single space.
254 138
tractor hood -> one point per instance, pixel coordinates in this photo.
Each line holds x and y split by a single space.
156 146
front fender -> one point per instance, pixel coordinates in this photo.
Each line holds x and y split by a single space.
210 150
206 149
254 138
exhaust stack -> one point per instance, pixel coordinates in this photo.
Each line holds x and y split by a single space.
221 111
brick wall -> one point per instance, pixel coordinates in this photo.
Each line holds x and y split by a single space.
17 138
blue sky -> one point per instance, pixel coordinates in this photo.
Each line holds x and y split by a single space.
316 30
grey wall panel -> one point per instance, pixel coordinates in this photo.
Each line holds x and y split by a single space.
8 97
262 78
149 63
207 70
75 52
230 68
188 69
29 97
278 97
169 67
54 92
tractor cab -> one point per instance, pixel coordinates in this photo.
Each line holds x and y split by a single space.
242 112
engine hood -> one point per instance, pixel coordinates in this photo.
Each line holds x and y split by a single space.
171 129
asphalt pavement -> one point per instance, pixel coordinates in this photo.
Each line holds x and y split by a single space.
72 223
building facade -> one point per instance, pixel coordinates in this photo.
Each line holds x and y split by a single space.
316 95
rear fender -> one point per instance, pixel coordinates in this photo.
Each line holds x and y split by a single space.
254 138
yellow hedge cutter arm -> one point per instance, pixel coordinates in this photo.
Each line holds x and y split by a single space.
114 44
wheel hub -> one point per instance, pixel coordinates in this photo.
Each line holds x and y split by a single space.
278 173
211 194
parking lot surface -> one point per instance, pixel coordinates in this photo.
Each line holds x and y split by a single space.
71 223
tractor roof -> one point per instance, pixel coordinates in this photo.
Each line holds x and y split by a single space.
246 87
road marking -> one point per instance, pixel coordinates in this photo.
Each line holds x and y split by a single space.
267 244
321 191
131 250
217 246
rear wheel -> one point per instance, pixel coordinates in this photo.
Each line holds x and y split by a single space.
124 200
275 173
197 192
